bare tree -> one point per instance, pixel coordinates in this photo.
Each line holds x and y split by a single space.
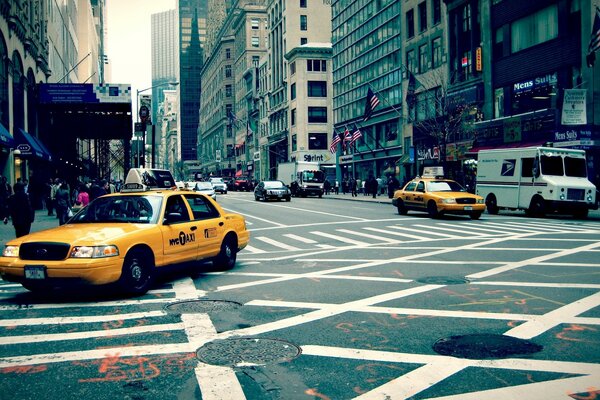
181 171
446 119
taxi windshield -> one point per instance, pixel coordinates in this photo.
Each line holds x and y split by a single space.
138 209
444 186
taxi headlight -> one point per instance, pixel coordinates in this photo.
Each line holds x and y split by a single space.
449 201
11 251
94 251
480 201
304 186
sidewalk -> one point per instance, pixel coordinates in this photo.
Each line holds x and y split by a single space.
42 221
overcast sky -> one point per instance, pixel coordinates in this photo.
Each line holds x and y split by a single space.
128 40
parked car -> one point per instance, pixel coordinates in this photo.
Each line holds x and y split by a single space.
219 185
229 181
437 196
272 190
205 188
125 238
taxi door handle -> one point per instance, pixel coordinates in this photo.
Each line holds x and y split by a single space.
221 223
193 228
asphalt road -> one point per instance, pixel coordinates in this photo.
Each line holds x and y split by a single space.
331 300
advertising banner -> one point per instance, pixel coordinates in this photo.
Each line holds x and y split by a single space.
574 112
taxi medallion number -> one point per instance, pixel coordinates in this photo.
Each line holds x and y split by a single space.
35 272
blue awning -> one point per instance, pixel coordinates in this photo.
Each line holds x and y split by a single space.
29 146
6 138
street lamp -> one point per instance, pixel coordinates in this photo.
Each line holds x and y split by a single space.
143 113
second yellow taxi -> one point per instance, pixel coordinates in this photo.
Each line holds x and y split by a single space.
437 196
124 238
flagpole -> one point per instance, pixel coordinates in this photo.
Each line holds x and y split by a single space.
384 99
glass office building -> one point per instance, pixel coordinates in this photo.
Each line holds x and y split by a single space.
367 53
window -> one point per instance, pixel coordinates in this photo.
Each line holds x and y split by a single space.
302 3
317 89
536 28
228 54
294 142
498 48
466 18
293 91
410 23
201 208
317 114
255 61
228 71
293 117
303 23
436 12
527 167
316 65
292 67
436 52
255 41
228 90
422 17
254 23
411 62
303 40
422 58
317 141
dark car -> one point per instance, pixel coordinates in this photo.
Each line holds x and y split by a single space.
241 184
272 190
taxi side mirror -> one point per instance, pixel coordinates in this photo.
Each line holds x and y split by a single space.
172 218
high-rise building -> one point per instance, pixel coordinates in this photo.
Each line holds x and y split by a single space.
367 55
191 19
165 56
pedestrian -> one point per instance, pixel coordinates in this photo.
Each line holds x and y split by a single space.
337 187
63 203
20 210
83 198
393 184
48 197
5 192
372 186
344 185
327 186
353 187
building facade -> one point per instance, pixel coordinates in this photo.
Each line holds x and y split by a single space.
165 56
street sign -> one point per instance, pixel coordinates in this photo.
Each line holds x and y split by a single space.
140 127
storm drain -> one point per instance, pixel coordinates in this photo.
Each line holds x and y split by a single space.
443 280
484 346
201 306
241 352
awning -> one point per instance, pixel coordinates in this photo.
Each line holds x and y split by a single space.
29 146
43 147
476 149
6 138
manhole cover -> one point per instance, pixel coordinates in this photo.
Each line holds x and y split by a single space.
482 346
443 280
200 306
241 352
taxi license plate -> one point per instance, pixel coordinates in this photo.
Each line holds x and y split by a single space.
468 208
35 272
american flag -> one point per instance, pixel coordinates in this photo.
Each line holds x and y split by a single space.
594 40
334 142
372 102
357 134
347 138
249 131
232 118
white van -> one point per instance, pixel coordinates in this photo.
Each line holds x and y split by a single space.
535 179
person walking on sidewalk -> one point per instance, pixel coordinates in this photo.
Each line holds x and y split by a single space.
20 210
63 203
353 187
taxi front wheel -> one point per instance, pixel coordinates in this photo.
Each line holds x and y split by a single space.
136 276
227 256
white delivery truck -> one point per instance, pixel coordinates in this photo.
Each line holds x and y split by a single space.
535 179
304 178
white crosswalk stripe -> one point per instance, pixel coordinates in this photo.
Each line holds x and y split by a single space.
300 238
366 235
340 238
276 243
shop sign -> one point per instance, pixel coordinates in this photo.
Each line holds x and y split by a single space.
571 135
478 60
512 130
346 159
546 80
432 153
574 112
256 156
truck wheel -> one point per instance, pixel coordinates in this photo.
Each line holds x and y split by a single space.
401 208
491 204
536 207
432 209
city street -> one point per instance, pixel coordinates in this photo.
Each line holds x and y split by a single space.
332 299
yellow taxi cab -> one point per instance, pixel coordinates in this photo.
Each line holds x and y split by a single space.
437 196
124 238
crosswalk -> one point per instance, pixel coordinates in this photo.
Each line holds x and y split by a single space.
390 234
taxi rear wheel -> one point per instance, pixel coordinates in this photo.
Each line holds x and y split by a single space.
475 215
227 256
136 276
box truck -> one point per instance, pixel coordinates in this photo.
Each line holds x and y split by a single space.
538 180
304 178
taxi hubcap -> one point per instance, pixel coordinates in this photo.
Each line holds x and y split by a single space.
136 272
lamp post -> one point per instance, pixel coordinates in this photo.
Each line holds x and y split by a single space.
142 114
